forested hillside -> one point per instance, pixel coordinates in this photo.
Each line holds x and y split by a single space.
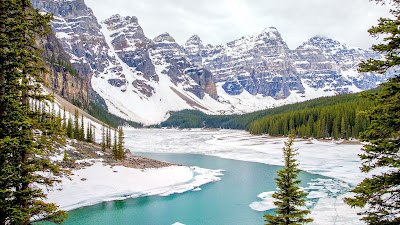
339 120
335 116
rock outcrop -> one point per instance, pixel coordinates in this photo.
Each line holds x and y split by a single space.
61 77
142 79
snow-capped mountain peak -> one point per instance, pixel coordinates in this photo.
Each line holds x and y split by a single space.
143 79
164 37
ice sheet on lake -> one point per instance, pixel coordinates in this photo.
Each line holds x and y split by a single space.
328 158
265 204
99 183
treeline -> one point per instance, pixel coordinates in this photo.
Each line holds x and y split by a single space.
117 148
108 118
197 119
63 64
75 129
341 120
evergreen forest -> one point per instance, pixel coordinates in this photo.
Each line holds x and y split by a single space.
337 117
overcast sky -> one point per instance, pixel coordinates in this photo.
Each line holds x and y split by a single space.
221 21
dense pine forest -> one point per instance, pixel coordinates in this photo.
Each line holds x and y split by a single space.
339 120
337 117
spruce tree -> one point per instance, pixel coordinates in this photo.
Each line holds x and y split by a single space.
380 194
88 133
103 138
26 135
120 146
70 130
114 147
76 125
82 130
289 198
64 124
108 137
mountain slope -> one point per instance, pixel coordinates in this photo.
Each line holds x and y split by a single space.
143 79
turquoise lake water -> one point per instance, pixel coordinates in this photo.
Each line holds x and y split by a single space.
223 202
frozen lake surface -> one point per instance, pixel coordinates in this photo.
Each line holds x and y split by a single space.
244 192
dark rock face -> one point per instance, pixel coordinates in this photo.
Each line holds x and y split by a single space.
131 45
263 64
117 54
181 71
59 79
143 88
80 34
99 52
255 64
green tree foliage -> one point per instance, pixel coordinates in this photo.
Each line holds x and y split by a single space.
289 198
340 120
380 194
69 129
197 119
114 147
120 146
65 157
27 135
110 119
63 64
77 131
89 133
82 130
103 138
108 137
64 121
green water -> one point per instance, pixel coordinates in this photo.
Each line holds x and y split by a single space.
223 202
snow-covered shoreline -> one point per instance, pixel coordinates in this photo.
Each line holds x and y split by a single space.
100 183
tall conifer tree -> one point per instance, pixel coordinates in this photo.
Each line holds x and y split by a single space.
82 130
120 146
103 138
23 149
289 198
76 125
380 194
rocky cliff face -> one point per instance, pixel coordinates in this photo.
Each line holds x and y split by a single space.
116 56
59 78
258 64
142 55
323 62
142 79
194 79
263 64
80 35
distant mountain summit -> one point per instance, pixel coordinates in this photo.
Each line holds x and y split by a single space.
143 79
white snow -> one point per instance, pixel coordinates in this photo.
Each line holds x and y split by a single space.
99 183
267 202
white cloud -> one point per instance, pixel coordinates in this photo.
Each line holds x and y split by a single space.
221 21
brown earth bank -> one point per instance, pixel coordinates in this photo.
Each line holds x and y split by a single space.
81 154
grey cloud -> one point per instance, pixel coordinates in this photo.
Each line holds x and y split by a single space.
220 21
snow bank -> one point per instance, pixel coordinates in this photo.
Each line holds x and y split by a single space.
99 183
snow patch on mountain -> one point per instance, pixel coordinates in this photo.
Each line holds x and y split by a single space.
143 80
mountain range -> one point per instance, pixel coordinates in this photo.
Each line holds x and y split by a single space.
143 79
